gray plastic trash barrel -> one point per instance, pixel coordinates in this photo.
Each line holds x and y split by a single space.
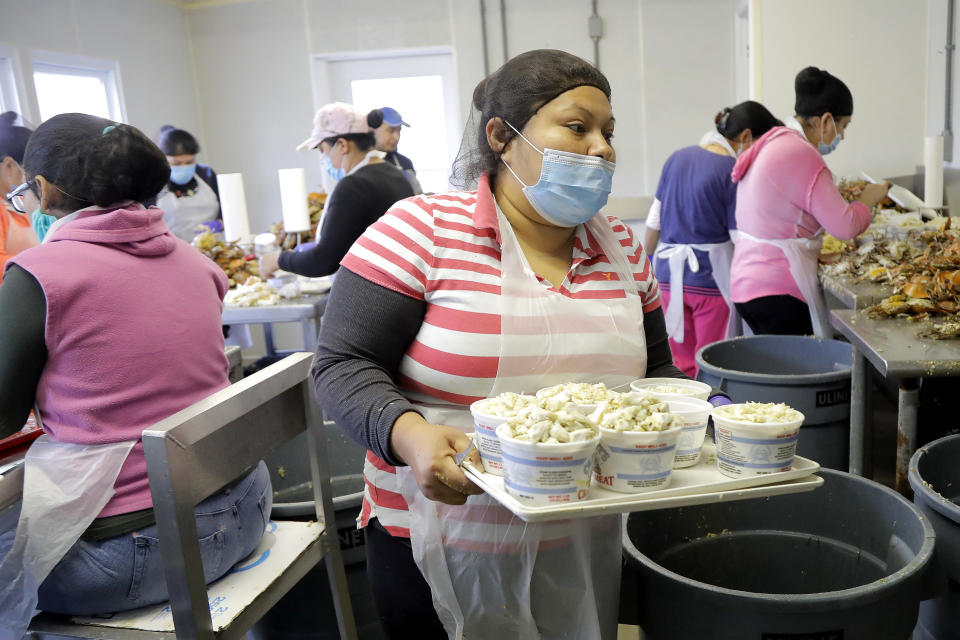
935 479
848 561
812 375
306 612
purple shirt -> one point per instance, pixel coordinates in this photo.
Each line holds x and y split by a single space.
698 204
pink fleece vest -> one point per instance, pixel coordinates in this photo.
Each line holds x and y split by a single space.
133 335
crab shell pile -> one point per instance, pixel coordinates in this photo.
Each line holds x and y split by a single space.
927 285
922 266
239 265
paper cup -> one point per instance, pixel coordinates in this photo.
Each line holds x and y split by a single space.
485 427
690 388
541 474
635 461
754 449
694 414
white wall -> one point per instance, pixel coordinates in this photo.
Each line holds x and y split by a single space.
254 73
879 49
147 38
255 80
254 94
669 62
688 74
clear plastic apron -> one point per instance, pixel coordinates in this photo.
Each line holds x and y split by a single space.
182 215
65 487
802 255
681 256
492 575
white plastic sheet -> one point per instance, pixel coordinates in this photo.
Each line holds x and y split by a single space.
65 487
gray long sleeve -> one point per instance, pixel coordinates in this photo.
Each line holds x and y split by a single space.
365 332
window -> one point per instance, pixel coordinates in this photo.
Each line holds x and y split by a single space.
66 84
419 83
420 101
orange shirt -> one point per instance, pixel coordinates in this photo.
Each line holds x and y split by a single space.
16 235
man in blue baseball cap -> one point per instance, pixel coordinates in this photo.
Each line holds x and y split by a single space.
385 124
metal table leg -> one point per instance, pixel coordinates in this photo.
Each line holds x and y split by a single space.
860 452
308 327
268 339
906 432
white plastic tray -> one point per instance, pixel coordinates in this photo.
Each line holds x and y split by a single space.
699 484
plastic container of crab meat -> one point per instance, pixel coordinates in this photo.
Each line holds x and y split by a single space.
672 388
548 456
755 438
488 414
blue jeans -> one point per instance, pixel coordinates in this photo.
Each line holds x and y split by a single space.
126 572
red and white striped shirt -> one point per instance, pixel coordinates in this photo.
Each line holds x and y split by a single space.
445 250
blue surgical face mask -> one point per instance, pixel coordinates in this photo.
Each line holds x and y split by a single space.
182 173
332 171
826 149
572 187
41 222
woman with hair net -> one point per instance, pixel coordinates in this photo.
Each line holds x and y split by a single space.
422 321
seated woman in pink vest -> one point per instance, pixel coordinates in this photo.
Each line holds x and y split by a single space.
786 198
107 327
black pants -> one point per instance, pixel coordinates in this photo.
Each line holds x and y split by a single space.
400 592
779 315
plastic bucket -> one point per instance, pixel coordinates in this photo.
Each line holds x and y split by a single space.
935 479
850 560
485 430
751 448
636 461
685 388
540 474
694 414
810 374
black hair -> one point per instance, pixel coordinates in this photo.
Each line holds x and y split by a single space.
375 118
819 92
177 142
95 161
732 121
515 92
364 141
13 139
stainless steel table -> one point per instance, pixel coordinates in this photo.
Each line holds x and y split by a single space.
852 294
891 345
305 310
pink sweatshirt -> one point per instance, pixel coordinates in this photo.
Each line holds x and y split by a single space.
133 333
785 190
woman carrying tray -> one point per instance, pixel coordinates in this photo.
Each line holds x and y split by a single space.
514 285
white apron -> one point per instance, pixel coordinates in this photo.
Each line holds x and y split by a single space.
714 137
65 487
492 575
681 256
182 215
802 255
